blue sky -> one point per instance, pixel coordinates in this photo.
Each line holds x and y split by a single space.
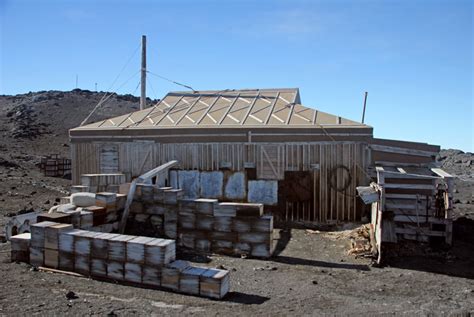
414 57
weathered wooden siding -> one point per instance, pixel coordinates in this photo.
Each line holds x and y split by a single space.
336 168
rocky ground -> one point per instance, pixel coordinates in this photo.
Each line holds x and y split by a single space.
312 272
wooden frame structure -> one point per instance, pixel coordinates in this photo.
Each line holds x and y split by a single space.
415 203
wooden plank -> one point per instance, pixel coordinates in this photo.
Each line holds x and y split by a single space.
405 196
399 175
442 173
420 231
409 186
399 150
400 164
143 178
419 218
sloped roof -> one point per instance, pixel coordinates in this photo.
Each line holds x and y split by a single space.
225 108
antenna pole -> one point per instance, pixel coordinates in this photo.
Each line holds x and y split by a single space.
365 103
143 75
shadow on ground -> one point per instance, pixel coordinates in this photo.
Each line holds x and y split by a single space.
247 299
457 260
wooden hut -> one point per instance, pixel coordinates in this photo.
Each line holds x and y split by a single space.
302 163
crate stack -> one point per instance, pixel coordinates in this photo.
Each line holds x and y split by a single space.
53 165
125 258
20 247
204 224
103 216
155 207
95 183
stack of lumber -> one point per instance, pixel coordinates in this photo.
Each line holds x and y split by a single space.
204 224
126 258
101 182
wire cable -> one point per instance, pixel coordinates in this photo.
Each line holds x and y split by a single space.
108 98
172 81
107 94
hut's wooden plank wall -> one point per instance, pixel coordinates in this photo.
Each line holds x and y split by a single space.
335 168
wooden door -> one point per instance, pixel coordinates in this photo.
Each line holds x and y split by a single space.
109 158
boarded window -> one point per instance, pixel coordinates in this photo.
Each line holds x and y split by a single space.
109 159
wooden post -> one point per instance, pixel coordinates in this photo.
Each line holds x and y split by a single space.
143 75
365 103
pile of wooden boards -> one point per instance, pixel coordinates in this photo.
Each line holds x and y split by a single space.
205 224
123 258
95 183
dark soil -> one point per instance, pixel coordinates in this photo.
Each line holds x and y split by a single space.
311 274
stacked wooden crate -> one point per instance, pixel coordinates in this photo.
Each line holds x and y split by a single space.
148 210
205 224
53 165
20 247
102 182
180 276
133 259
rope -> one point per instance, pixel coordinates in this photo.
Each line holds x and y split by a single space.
172 81
105 100
152 89
136 88
107 95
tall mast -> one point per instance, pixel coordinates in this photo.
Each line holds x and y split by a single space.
143 75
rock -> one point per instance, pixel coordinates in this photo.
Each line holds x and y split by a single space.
315 282
71 295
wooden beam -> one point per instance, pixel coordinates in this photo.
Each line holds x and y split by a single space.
158 170
442 173
398 175
250 109
169 110
420 231
399 150
420 219
404 196
272 107
187 111
207 111
228 109
133 186
409 186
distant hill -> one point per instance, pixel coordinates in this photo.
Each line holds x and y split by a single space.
42 119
